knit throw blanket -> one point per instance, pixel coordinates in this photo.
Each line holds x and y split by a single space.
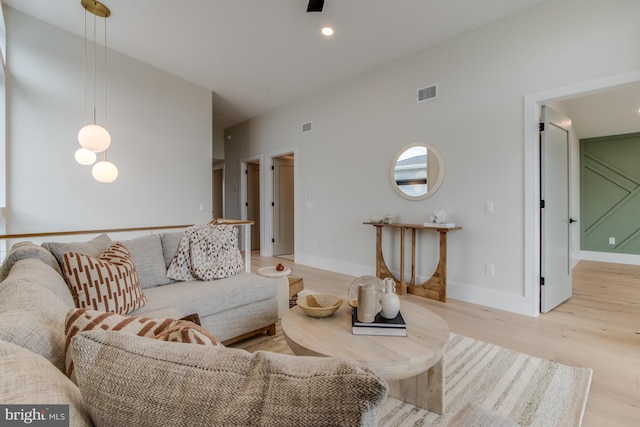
207 252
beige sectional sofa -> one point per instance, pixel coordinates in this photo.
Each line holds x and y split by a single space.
231 308
125 379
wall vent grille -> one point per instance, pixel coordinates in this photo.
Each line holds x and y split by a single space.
306 127
427 93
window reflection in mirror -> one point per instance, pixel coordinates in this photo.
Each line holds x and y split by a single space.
410 172
417 171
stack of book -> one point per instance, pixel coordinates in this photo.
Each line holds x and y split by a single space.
380 326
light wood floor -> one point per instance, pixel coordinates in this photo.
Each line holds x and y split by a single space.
599 328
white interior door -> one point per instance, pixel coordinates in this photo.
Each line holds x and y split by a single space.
555 221
283 206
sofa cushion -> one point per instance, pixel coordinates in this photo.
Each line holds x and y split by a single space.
26 250
107 283
31 315
81 320
205 386
170 242
207 298
207 252
149 260
30 379
93 247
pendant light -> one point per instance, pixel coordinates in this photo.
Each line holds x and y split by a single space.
92 137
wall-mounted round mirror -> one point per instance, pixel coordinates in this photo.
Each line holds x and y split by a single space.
417 171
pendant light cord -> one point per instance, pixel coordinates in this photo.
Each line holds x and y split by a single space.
94 69
84 70
105 73
105 80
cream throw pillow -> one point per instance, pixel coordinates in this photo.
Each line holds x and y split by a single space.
152 383
107 283
177 330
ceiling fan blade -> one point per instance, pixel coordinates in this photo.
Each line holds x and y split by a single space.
315 5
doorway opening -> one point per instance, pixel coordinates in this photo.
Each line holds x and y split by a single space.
283 206
251 189
253 201
217 210
533 103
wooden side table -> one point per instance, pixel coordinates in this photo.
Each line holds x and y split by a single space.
283 286
436 286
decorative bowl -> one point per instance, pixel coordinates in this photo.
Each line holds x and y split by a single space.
319 305
352 298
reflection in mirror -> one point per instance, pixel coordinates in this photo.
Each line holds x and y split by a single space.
417 171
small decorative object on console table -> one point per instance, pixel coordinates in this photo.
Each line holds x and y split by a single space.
434 288
439 225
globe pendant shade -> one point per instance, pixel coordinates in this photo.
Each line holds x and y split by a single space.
94 138
104 171
85 157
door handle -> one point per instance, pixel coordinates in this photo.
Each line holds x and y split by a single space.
571 220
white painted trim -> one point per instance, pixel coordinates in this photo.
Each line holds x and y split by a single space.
335 265
532 103
472 294
610 257
491 298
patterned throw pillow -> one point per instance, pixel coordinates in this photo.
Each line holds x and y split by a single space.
82 319
107 283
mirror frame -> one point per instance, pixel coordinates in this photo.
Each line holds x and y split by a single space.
431 150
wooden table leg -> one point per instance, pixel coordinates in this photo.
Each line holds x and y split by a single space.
413 257
379 260
425 390
436 287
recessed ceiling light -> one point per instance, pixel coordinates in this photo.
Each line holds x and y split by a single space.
327 31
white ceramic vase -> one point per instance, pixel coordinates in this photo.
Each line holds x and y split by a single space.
389 300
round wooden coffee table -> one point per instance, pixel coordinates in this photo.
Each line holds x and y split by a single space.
412 365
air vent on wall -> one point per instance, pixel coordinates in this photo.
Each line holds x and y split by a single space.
306 127
427 93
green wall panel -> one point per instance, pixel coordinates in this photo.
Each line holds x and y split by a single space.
610 193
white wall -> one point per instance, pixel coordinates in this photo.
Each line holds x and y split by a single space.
477 123
161 131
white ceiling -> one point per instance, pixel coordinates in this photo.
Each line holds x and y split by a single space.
611 112
258 54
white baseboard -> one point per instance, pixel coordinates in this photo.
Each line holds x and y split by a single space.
610 257
462 292
335 265
490 298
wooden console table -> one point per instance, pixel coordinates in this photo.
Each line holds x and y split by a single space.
434 288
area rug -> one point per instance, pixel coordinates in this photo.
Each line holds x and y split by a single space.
524 389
